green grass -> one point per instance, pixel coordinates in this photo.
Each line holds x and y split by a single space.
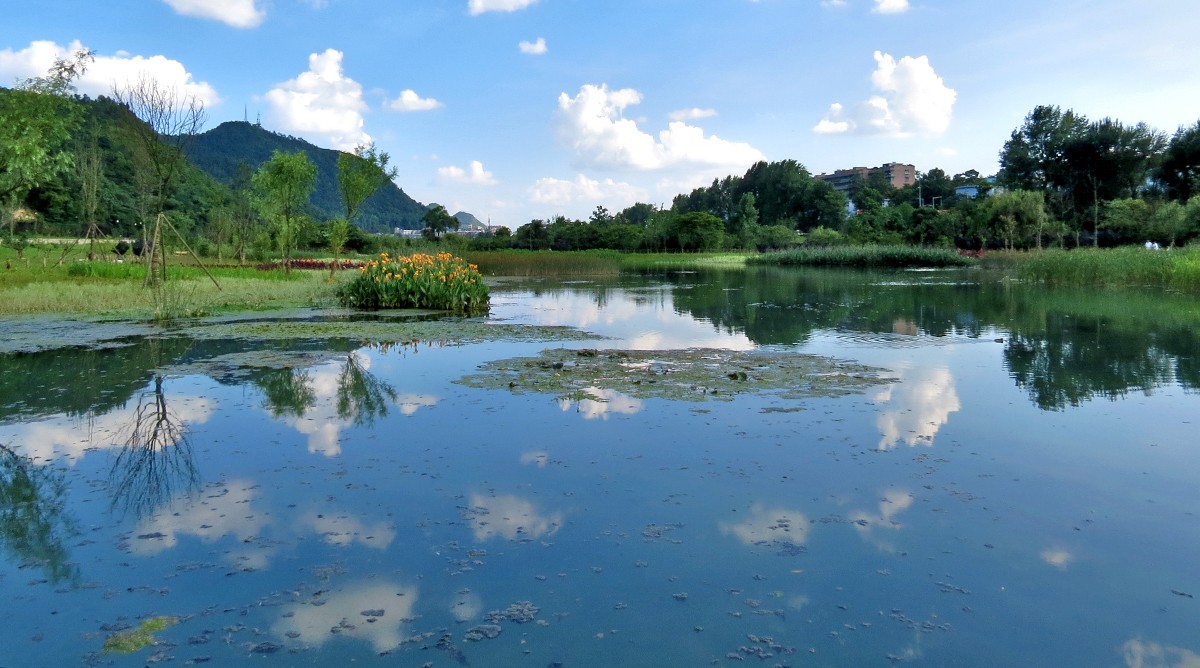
1126 267
866 256
592 262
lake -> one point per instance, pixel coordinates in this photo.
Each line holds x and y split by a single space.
781 467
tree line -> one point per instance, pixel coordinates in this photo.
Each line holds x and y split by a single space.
109 167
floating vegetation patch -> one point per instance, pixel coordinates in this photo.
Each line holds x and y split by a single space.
131 640
689 375
30 335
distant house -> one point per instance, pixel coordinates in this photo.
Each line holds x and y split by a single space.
966 191
897 173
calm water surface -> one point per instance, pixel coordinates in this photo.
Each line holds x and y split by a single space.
1021 491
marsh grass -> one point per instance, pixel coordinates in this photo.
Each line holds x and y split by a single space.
592 262
1116 267
866 256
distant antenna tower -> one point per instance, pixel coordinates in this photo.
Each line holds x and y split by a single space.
258 119
246 113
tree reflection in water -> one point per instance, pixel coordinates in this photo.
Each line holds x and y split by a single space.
362 396
155 462
34 524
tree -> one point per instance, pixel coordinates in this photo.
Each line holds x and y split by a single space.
1180 168
1033 158
37 120
1016 215
699 232
1110 160
282 187
438 221
359 175
745 221
169 121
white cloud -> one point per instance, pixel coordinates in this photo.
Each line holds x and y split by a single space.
105 71
510 517
410 101
692 114
533 48
582 189
322 104
237 13
913 99
769 525
342 609
890 6
592 123
477 7
475 174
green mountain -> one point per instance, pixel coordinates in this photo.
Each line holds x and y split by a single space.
220 150
467 220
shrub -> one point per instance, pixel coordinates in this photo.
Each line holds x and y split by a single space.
440 281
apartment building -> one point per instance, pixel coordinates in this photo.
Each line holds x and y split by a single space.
898 174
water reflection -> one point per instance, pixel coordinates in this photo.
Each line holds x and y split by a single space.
1057 557
155 461
34 521
220 510
767 526
1145 654
599 403
867 523
916 406
509 517
375 611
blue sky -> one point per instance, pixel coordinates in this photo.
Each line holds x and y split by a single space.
521 109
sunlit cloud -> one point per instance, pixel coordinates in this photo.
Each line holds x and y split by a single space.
510 517
477 7
343 608
917 406
769 525
408 100
474 175
537 48
614 194
106 71
912 99
594 126
890 6
409 404
236 13
322 104
692 114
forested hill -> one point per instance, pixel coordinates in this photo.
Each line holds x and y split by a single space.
220 150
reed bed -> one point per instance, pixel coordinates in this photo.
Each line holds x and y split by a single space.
866 257
1128 266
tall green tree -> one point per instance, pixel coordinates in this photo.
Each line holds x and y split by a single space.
1179 171
359 175
37 120
282 187
1110 160
438 221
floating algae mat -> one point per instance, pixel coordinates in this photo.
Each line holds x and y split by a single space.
690 375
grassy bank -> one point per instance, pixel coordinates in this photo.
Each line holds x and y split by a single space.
109 289
1126 267
865 257
592 262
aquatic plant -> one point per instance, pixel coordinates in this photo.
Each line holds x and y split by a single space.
441 281
866 256
130 641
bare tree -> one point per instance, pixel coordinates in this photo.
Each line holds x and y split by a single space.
169 121
155 462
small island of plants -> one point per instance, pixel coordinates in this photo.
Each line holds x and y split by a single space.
442 281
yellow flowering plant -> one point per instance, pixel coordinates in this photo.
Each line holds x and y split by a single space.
420 280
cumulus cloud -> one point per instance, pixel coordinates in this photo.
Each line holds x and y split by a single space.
692 114
477 7
104 72
533 48
890 6
582 189
322 104
592 123
474 174
913 99
237 13
410 101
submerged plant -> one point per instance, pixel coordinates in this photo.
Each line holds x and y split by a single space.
131 640
441 281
